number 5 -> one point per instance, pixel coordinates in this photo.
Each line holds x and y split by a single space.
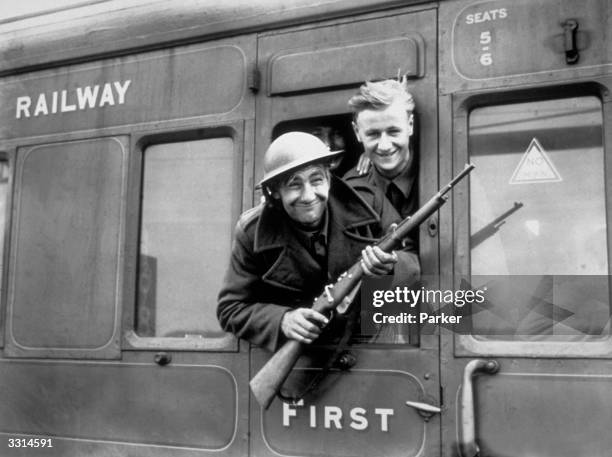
485 37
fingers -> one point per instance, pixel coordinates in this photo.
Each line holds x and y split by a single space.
315 317
303 324
376 262
363 165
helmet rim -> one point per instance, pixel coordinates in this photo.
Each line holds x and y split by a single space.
280 146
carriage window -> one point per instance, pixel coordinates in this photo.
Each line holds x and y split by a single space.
538 220
64 296
337 133
187 200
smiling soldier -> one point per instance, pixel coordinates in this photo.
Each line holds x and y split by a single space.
383 122
311 228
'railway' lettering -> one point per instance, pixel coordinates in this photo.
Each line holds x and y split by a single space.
66 101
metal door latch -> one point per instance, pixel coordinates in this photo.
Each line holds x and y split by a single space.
571 48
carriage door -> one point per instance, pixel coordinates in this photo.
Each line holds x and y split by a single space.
307 76
530 371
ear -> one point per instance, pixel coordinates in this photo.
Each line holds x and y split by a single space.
410 124
356 130
271 193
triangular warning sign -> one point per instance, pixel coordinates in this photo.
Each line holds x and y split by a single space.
535 166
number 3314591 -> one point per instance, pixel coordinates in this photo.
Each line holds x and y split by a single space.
30 442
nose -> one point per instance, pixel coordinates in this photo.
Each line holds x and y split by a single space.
384 142
308 193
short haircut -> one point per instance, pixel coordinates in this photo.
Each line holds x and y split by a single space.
379 95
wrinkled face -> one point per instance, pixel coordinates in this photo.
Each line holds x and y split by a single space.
385 135
304 195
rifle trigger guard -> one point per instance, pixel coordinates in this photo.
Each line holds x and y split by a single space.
328 295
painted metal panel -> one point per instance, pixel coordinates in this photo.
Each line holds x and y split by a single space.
490 39
64 282
504 43
296 71
362 412
177 84
545 414
173 408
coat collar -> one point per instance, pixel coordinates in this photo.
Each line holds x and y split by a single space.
294 268
350 210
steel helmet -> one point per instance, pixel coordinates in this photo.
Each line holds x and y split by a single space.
293 150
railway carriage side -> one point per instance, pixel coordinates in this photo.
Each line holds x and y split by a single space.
123 171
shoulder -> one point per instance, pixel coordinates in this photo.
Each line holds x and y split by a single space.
353 177
365 187
247 222
359 198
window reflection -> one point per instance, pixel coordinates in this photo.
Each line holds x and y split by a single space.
537 208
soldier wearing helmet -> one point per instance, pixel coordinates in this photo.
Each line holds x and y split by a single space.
311 228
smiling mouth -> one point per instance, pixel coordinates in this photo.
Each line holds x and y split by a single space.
386 154
308 205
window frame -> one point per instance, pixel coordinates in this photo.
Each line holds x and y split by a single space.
6 155
111 349
468 345
131 339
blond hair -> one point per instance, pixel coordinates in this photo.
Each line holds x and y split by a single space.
380 94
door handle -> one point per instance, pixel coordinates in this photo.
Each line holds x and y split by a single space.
468 445
425 410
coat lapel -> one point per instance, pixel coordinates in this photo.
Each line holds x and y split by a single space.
292 266
350 232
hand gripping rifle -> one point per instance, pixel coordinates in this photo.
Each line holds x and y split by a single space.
270 378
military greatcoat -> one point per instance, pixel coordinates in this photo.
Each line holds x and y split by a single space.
271 272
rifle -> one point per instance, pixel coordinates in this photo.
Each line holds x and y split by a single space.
270 378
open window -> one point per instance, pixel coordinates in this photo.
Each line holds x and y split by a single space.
337 132
188 210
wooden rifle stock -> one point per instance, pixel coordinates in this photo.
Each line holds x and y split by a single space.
270 378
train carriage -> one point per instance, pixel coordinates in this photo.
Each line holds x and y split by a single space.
132 135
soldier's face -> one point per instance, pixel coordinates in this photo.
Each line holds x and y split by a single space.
304 195
385 135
